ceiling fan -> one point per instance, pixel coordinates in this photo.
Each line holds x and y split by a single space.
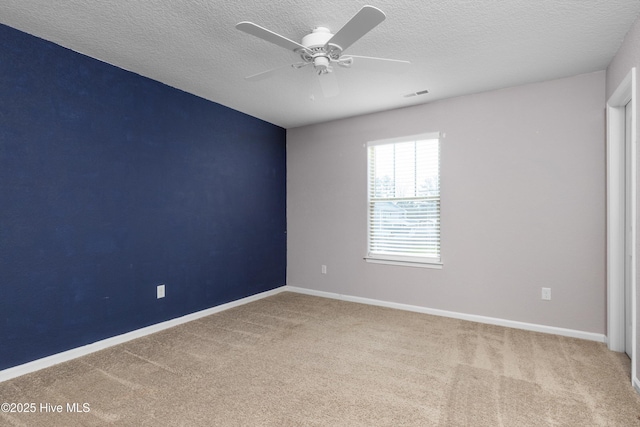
323 50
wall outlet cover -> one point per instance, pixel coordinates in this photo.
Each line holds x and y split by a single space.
546 294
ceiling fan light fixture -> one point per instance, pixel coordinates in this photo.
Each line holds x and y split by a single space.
322 64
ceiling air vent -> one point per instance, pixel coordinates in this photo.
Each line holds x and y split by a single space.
422 92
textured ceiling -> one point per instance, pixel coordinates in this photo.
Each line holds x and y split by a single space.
456 46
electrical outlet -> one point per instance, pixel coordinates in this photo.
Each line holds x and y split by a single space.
324 269
160 291
546 294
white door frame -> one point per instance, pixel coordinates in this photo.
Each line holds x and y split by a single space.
624 94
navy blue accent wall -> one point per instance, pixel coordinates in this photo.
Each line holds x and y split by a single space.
112 183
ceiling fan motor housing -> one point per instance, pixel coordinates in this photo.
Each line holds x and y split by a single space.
317 38
318 52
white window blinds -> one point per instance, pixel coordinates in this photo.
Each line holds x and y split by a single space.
404 199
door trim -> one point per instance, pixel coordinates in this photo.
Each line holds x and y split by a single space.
624 94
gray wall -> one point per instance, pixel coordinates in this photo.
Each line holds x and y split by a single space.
628 56
523 205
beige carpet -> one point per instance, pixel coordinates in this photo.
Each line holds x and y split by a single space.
297 360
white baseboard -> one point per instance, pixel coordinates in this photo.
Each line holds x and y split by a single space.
65 356
470 317
636 385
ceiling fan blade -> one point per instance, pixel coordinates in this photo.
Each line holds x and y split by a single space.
329 85
263 75
379 64
362 22
268 35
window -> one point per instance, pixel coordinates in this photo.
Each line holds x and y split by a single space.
404 201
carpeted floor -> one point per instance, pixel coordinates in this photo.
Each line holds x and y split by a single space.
298 360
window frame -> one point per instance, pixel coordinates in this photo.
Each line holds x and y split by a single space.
400 260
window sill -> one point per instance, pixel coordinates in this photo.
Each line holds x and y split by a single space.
420 264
